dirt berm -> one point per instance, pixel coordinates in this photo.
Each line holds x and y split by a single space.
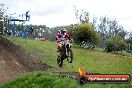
14 61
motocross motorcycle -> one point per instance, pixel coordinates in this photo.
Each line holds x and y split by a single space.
65 52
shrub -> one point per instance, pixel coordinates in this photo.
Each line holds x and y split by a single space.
115 43
84 33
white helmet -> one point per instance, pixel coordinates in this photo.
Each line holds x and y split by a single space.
63 30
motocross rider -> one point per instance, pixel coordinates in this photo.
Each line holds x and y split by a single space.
61 34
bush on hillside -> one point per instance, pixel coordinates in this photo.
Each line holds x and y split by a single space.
115 43
84 34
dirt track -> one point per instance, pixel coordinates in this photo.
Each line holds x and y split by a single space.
14 61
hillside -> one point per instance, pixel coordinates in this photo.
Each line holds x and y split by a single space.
91 60
44 52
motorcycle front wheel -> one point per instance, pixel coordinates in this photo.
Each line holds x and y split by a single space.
59 61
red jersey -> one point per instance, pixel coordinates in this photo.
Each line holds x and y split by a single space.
66 35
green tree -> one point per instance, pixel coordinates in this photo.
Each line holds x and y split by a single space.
115 43
84 33
3 9
109 27
129 42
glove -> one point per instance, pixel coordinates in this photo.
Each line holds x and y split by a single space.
56 37
69 38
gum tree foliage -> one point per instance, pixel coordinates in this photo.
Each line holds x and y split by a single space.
81 15
3 9
41 31
129 42
84 33
109 27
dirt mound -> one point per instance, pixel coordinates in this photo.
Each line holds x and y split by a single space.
14 61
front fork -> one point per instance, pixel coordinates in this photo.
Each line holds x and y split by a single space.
67 50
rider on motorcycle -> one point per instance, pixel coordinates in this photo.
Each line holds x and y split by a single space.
61 34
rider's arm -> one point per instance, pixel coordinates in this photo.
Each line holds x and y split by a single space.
57 36
68 36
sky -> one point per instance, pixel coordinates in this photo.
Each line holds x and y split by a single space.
61 12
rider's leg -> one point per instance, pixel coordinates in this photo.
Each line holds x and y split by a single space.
58 49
